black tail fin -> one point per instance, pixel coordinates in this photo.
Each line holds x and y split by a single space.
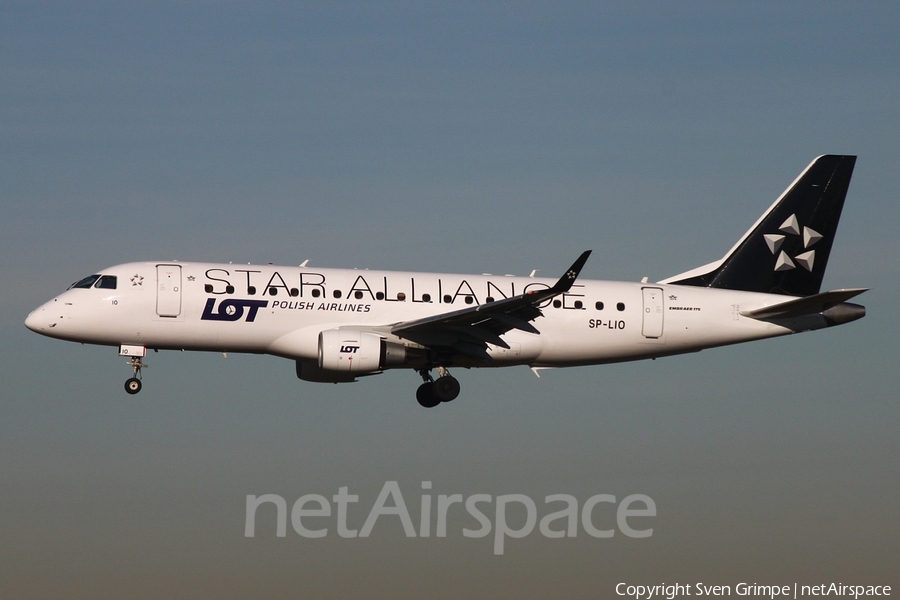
786 251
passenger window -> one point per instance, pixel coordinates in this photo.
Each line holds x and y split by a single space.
106 282
86 282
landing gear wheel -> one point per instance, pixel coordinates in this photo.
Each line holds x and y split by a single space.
425 395
446 388
133 385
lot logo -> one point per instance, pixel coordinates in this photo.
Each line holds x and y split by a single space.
232 310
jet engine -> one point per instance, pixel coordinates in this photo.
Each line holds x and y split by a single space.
345 354
350 350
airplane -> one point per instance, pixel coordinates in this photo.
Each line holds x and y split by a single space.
342 324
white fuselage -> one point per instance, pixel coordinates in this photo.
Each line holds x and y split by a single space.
281 311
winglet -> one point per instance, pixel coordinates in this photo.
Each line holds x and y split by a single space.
565 282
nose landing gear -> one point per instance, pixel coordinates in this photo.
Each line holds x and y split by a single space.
434 391
133 384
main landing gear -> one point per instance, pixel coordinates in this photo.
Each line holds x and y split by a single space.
133 384
434 391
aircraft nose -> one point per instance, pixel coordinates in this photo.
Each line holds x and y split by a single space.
41 319
35 319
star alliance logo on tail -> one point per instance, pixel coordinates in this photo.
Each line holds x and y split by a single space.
805 259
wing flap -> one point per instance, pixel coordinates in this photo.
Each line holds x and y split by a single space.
514 322
480 334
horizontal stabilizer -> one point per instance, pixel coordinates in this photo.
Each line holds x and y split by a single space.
809 305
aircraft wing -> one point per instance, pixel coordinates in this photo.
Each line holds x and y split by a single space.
468 331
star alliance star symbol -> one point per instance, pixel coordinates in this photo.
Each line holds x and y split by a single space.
571 274
137 280
792 227
191 278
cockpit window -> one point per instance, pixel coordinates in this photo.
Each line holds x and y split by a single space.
86 282
107 282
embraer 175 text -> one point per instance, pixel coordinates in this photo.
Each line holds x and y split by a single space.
340 324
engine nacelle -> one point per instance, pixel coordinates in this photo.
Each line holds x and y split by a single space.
345 354
310 371
350 351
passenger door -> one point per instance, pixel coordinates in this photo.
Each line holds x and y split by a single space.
168 290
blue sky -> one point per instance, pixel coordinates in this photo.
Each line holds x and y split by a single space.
471 137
